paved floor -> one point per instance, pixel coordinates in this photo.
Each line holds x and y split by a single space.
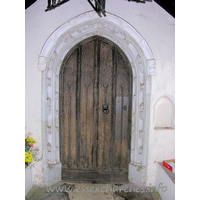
88 191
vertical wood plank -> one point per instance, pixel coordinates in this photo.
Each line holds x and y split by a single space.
96 104
78 96
113 110
69 109
123 94
86 103
105 98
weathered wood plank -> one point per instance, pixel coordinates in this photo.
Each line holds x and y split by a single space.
105 97
68 98
95 144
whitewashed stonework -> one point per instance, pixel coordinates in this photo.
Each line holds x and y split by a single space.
50 60
146 92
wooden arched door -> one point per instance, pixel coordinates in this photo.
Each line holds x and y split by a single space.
95 112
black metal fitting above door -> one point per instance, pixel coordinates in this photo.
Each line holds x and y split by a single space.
99 7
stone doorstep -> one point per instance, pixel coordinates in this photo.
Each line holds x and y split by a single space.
81 191
116 197
92 191
109 195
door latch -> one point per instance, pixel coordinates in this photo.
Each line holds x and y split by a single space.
105 109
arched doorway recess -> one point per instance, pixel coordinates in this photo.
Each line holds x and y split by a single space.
142 64
95 99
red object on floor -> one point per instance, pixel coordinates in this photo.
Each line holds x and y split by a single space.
165 164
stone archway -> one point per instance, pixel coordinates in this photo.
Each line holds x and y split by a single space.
142 64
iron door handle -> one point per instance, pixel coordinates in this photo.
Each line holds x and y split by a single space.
105 108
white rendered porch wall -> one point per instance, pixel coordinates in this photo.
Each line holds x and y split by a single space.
150 20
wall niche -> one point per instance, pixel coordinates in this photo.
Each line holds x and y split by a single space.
164 113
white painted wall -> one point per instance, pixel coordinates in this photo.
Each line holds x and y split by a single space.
28 179
165 183
150 20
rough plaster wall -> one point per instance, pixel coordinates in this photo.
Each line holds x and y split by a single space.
150 20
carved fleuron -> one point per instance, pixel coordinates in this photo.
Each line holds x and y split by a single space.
54 55
48 82
48 106
142 106
49 129
48 102
140 150
142 87
151 67
48 147
56 104
141 134
140 63
41 63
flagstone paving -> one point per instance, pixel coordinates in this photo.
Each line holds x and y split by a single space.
89 191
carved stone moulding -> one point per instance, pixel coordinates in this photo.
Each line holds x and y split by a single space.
151 67
118 29
41 63
50 60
